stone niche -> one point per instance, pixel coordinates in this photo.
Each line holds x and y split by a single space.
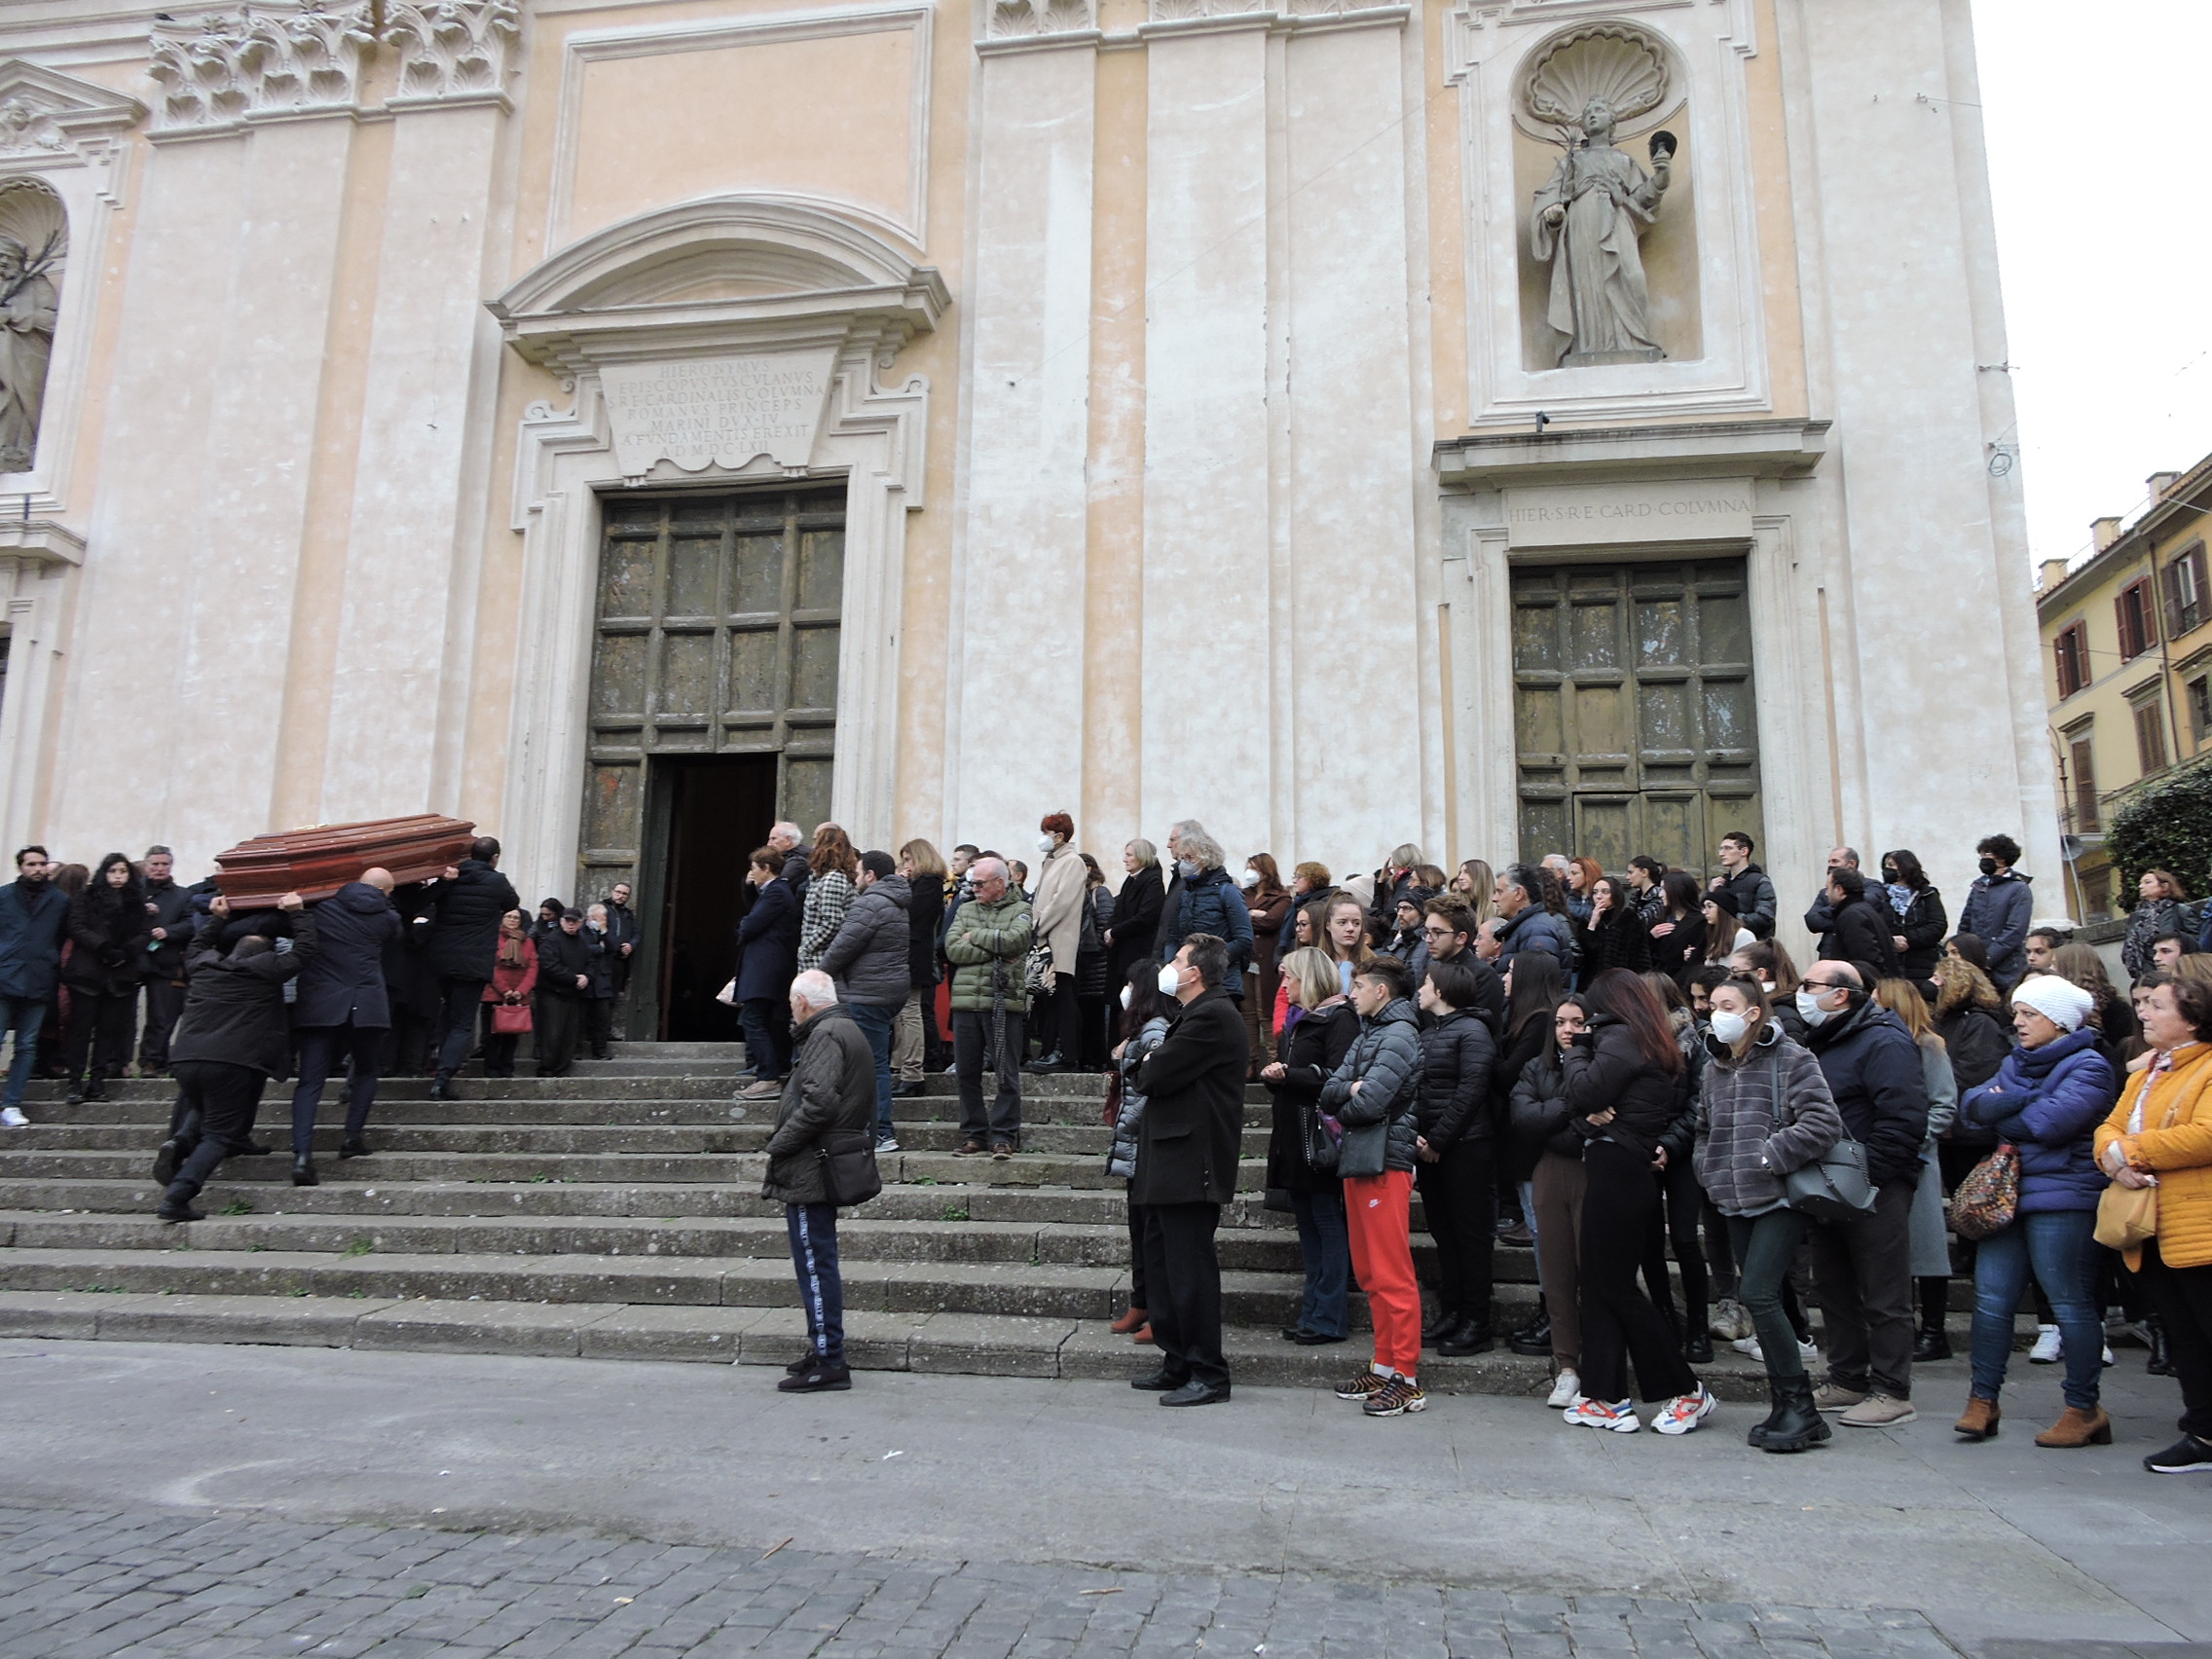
1637 73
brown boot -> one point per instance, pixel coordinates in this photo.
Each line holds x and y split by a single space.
2078 1427
1129 1321
1981 1419
1143 1335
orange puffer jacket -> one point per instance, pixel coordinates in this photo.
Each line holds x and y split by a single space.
2181 1157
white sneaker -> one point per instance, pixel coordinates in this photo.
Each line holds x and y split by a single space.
1684 1412
1595 1413
2048 1350
12 1118
1565 1391
1750 1346
2109 1360
1808 1353
887 1143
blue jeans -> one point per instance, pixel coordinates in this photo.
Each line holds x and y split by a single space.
813 1231
24 1016
1322 1240
875 1020
2053 1245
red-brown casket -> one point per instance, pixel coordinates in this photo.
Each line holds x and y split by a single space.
317 861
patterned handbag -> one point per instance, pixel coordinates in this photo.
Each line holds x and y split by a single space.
1989 1197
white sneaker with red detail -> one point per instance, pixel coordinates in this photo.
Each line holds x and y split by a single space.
1595 1413
1684 1412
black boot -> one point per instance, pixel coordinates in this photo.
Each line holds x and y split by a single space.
441 1087
353 1146
1777 1404
1470 1337
2160 1362
176 1205
167 1156
1533 1337
1798 1424
1930 1341
1434 1331
303 1171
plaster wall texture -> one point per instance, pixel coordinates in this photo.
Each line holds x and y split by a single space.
1151 524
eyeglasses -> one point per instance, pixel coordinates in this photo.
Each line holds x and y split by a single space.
1437 933
1824 985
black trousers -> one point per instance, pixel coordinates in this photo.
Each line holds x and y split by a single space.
97 1019
1620 1324
1182 1277
1459 1192
973 1035
318 1046
1061 1022
460 1000
598 1025
165 1001
1684 1202
1862 1280
558 1022
225 1099
1137 1256
2183 1299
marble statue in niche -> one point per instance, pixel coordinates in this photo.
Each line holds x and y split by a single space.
34 240
1588 221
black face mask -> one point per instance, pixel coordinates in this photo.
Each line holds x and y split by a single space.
1989 866
1890 874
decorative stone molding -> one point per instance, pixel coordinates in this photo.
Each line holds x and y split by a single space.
452 51
206 85
307 62
48 117
1629 68
1279 16
1018 18
40 541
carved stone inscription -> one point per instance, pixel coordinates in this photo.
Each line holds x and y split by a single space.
1593 515
725 411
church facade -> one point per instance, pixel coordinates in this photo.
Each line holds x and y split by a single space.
1504 425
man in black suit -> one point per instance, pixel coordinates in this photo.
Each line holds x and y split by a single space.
465 908
341 1010
1188 1143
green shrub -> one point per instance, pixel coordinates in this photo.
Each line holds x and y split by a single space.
2166 825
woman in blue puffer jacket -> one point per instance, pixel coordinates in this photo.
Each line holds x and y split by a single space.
2047 1100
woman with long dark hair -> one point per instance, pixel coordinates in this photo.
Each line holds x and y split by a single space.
108 930
1678 937
1092 985
1535 987
1620 1082
1610 935
1144 1022
1916 915
1268 900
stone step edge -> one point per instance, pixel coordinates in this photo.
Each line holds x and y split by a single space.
964 1343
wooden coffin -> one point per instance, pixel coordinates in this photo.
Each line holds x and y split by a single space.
316 862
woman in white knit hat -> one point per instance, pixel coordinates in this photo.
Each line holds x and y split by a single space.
2047 1100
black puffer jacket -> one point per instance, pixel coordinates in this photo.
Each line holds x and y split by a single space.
1875 1072
1542 1120
1606 1068
234 1007
464 925
562 957
1618 942
1128 1118
832 1090
1862 934
108 930
1386 1060
1456 1055
869 955
1311 1054
925 914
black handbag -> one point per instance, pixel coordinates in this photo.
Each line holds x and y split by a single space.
849 1175
1320 1145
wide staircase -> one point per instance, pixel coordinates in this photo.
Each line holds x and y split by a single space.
616 1214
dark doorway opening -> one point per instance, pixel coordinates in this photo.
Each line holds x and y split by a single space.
711 811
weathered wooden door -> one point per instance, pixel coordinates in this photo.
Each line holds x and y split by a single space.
1635 724
717 634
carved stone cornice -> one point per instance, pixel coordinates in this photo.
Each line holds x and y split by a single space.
308 60
452 51
1015 19
46 116
1199 15
206 84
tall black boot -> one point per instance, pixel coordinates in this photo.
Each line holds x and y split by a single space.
2160 1362
1798 1425
1931 1341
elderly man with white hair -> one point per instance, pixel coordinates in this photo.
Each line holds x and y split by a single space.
830 1093
987 943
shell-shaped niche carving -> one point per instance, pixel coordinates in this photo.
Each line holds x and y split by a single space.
34 245
1618 63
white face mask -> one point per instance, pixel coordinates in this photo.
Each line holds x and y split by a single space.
1809 1009
1045 843
1170 981
1187 868
1125 997
1248 881
1729 1027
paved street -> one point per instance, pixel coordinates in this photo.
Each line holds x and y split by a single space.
239 1502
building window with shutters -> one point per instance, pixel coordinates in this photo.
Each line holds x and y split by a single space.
2200 709
2082 763
2151 736
2138 624
2073 650
2185 593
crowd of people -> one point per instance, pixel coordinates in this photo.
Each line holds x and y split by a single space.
1626 1072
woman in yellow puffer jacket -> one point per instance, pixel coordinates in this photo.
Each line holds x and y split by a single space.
2161 1134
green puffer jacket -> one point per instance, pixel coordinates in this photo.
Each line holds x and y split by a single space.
982 936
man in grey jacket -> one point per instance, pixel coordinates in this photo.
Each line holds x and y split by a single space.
867 959
828 1093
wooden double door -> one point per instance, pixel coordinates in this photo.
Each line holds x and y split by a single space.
1635 724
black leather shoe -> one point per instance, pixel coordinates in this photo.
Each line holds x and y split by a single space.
354 1148
907 1090
166 1159
1196 1393
441 1088
75 1096
255 1149
1698 1351
1316 1339
1468 1340
1158 1383
303 1173
817 1379
1536 1339
1044 1065
176 1209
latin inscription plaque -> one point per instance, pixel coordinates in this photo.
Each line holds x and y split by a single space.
1587 515
700 412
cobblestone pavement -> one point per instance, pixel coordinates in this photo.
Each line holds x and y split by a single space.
79 1584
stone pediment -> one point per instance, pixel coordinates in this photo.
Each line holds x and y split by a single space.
721 272
45 113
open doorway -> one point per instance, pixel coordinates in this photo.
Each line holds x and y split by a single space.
713 810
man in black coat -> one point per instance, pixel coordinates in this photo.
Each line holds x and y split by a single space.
621 937
1862 1266
231 1037
169 910
563 986
464 940
1187 1148
1820 915
1860 924
341 1008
